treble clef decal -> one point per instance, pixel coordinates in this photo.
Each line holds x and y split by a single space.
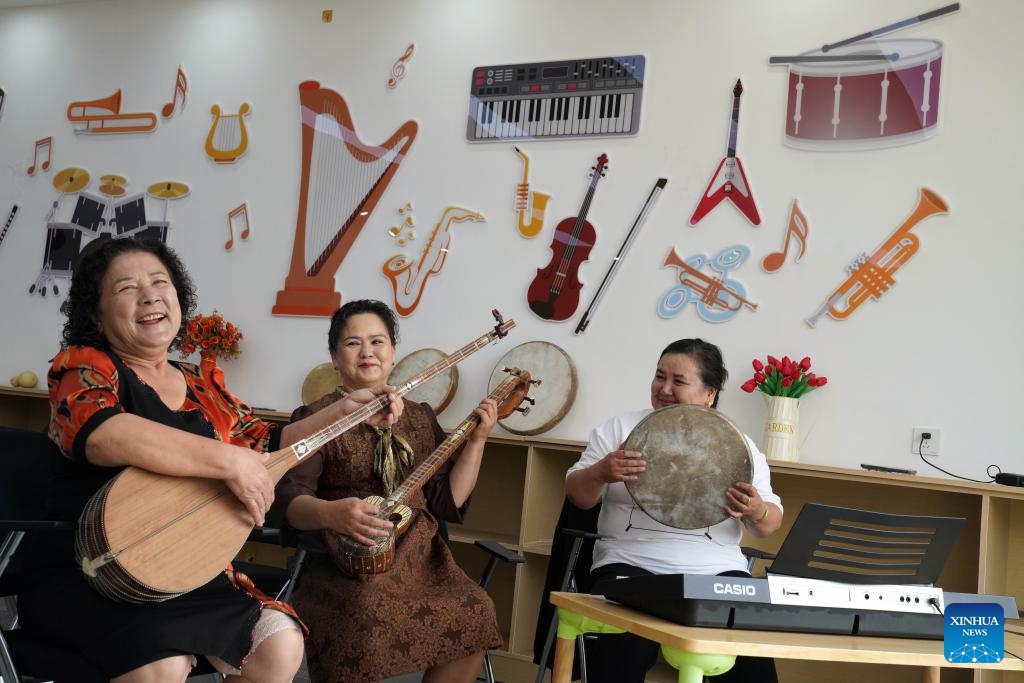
398 68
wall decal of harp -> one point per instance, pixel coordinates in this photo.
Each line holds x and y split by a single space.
227 139
342 179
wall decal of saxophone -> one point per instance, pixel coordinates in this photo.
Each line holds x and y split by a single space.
409 277
871 276
523 199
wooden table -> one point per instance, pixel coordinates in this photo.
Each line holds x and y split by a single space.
926 654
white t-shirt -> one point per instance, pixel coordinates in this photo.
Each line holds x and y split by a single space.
637 539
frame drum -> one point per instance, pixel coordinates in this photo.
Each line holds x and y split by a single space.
693 455
438 392
865 104
553 397
321 380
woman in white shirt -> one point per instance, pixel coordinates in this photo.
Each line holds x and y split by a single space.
689 371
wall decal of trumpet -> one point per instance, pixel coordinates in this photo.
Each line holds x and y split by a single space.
408 277
797 229
717 298
228 139
103 117
530 207
871 276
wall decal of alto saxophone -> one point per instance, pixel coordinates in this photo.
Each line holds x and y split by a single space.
539 201
871 277
414 274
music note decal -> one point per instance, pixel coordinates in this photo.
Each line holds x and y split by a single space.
797 229
238 216
414 274
398 68
717 298
180 87
41 143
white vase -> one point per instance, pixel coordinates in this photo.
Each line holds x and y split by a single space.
781 429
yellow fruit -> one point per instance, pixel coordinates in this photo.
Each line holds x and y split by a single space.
27 379
14 381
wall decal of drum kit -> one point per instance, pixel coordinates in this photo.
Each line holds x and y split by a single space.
110 216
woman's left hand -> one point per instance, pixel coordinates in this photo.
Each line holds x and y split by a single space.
743 501
382 419
487 411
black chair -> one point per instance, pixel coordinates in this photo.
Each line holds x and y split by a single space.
28 461
310 545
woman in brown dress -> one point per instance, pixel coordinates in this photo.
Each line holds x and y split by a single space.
424 612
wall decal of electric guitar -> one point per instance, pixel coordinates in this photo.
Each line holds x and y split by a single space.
554 293
729 181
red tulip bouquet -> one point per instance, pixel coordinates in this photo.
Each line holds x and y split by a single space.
783 377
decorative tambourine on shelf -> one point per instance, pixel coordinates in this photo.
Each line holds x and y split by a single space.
438 392
552 397
321 380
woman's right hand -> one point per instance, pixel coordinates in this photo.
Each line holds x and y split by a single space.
621 466
355 518
251 483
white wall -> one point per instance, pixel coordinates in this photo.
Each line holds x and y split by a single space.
940 350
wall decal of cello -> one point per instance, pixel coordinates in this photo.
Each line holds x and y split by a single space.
554 293
527 203
408 277
729 181
227 140
718 298
871 276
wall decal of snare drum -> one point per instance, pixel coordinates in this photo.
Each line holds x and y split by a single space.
835 106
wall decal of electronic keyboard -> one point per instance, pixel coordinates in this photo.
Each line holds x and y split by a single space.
561 99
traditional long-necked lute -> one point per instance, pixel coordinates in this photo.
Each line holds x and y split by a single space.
147 537
355 558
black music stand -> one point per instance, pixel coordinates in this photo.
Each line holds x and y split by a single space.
864 547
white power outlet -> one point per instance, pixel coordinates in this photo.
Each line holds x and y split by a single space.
928 446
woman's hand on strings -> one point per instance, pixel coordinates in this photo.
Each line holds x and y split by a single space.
385 417
357 519
251 483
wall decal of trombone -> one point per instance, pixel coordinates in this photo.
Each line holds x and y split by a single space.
408 277
719 297
103 117
872 276
529 206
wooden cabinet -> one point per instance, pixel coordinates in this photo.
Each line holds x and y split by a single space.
520 492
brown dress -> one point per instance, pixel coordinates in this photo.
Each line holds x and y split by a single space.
424 610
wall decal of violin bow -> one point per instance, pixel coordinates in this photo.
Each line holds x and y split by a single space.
659 185
729 181
554 293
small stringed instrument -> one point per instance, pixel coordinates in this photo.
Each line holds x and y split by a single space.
147 537
356 559
729 181
554 293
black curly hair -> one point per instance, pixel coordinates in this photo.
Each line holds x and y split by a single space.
82 307
708 358
378 308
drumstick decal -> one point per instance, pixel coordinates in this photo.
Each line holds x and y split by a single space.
889 28
798 230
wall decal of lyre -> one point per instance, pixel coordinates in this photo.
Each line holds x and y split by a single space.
103 117
227 139
535 204
342 180
871 276
717 298
409 277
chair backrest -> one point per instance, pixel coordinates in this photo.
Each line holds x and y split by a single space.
25 463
